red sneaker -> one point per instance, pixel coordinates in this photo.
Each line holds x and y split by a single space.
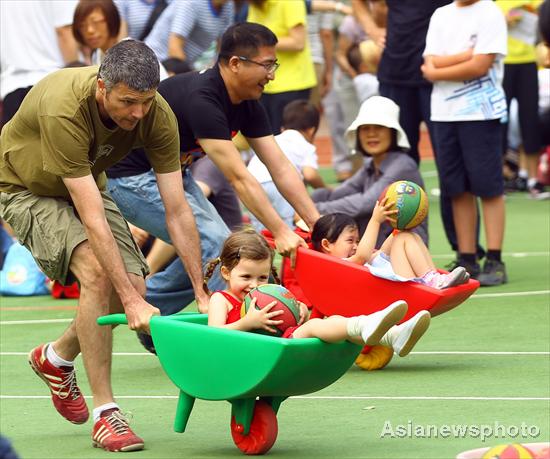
112 433
66 396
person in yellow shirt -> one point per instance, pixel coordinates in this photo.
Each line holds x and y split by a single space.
521 83
296 76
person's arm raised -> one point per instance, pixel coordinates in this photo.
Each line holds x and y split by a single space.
183 232
89 205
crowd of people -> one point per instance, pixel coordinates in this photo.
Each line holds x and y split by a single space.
147 132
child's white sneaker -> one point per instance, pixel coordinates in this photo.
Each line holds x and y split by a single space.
374 326
457 276
402 338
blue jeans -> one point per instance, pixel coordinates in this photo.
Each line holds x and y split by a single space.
139 200
279 203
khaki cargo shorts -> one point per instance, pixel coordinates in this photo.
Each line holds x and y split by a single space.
51 230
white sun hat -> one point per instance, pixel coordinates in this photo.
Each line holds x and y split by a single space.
381 111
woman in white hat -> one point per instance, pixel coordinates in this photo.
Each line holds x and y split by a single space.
378 136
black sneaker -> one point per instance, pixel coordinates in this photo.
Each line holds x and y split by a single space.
473 268
494 273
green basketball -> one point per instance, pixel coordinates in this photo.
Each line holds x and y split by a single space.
411 202
286 302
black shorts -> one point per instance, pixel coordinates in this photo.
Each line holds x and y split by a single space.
469 157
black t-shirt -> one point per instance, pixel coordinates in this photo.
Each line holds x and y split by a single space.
407 26
204 111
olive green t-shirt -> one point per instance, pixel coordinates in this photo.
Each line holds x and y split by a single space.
57 133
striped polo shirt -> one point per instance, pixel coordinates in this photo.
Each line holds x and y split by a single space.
194 20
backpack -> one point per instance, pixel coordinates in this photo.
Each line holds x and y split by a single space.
20 275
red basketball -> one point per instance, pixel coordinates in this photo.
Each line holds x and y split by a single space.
286 302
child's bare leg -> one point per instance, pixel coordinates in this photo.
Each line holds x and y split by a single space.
494 218
427 255
465 218
332 330
408 259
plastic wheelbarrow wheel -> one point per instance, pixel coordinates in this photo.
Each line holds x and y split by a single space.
263 430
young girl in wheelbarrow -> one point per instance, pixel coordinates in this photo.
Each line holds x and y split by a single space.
246 262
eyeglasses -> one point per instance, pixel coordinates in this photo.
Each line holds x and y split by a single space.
270 67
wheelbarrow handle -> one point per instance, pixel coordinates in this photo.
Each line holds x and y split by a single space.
113 319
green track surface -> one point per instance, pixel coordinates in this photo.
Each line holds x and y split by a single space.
465 385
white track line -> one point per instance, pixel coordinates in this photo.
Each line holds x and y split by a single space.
505 254
505 294
310 397
35 322
502 353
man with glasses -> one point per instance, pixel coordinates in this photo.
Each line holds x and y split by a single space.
211 107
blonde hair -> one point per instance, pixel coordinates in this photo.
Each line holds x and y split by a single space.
247 244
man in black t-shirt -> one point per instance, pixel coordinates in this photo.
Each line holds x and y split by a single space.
211 107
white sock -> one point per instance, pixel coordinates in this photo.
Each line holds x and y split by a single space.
55 360
100 409
531 182
353 327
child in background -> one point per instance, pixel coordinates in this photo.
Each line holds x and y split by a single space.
300 124
364 58
402 257
465 47
246 262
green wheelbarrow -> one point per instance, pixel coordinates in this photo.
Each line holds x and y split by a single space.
254 372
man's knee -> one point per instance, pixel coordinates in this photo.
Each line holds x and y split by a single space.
89 271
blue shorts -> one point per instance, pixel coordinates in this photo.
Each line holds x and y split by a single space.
469 157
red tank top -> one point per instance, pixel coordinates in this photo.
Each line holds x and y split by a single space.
235 313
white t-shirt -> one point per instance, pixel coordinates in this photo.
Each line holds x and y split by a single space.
366 85
297 149
452 30
29 49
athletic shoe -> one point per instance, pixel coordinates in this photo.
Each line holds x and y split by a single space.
538 192
408 333
494 273
374 326
473 269
112 433
66 395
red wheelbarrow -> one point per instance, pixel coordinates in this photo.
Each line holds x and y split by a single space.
255 374
334 286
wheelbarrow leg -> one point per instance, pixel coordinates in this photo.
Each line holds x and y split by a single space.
242 410
185 405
